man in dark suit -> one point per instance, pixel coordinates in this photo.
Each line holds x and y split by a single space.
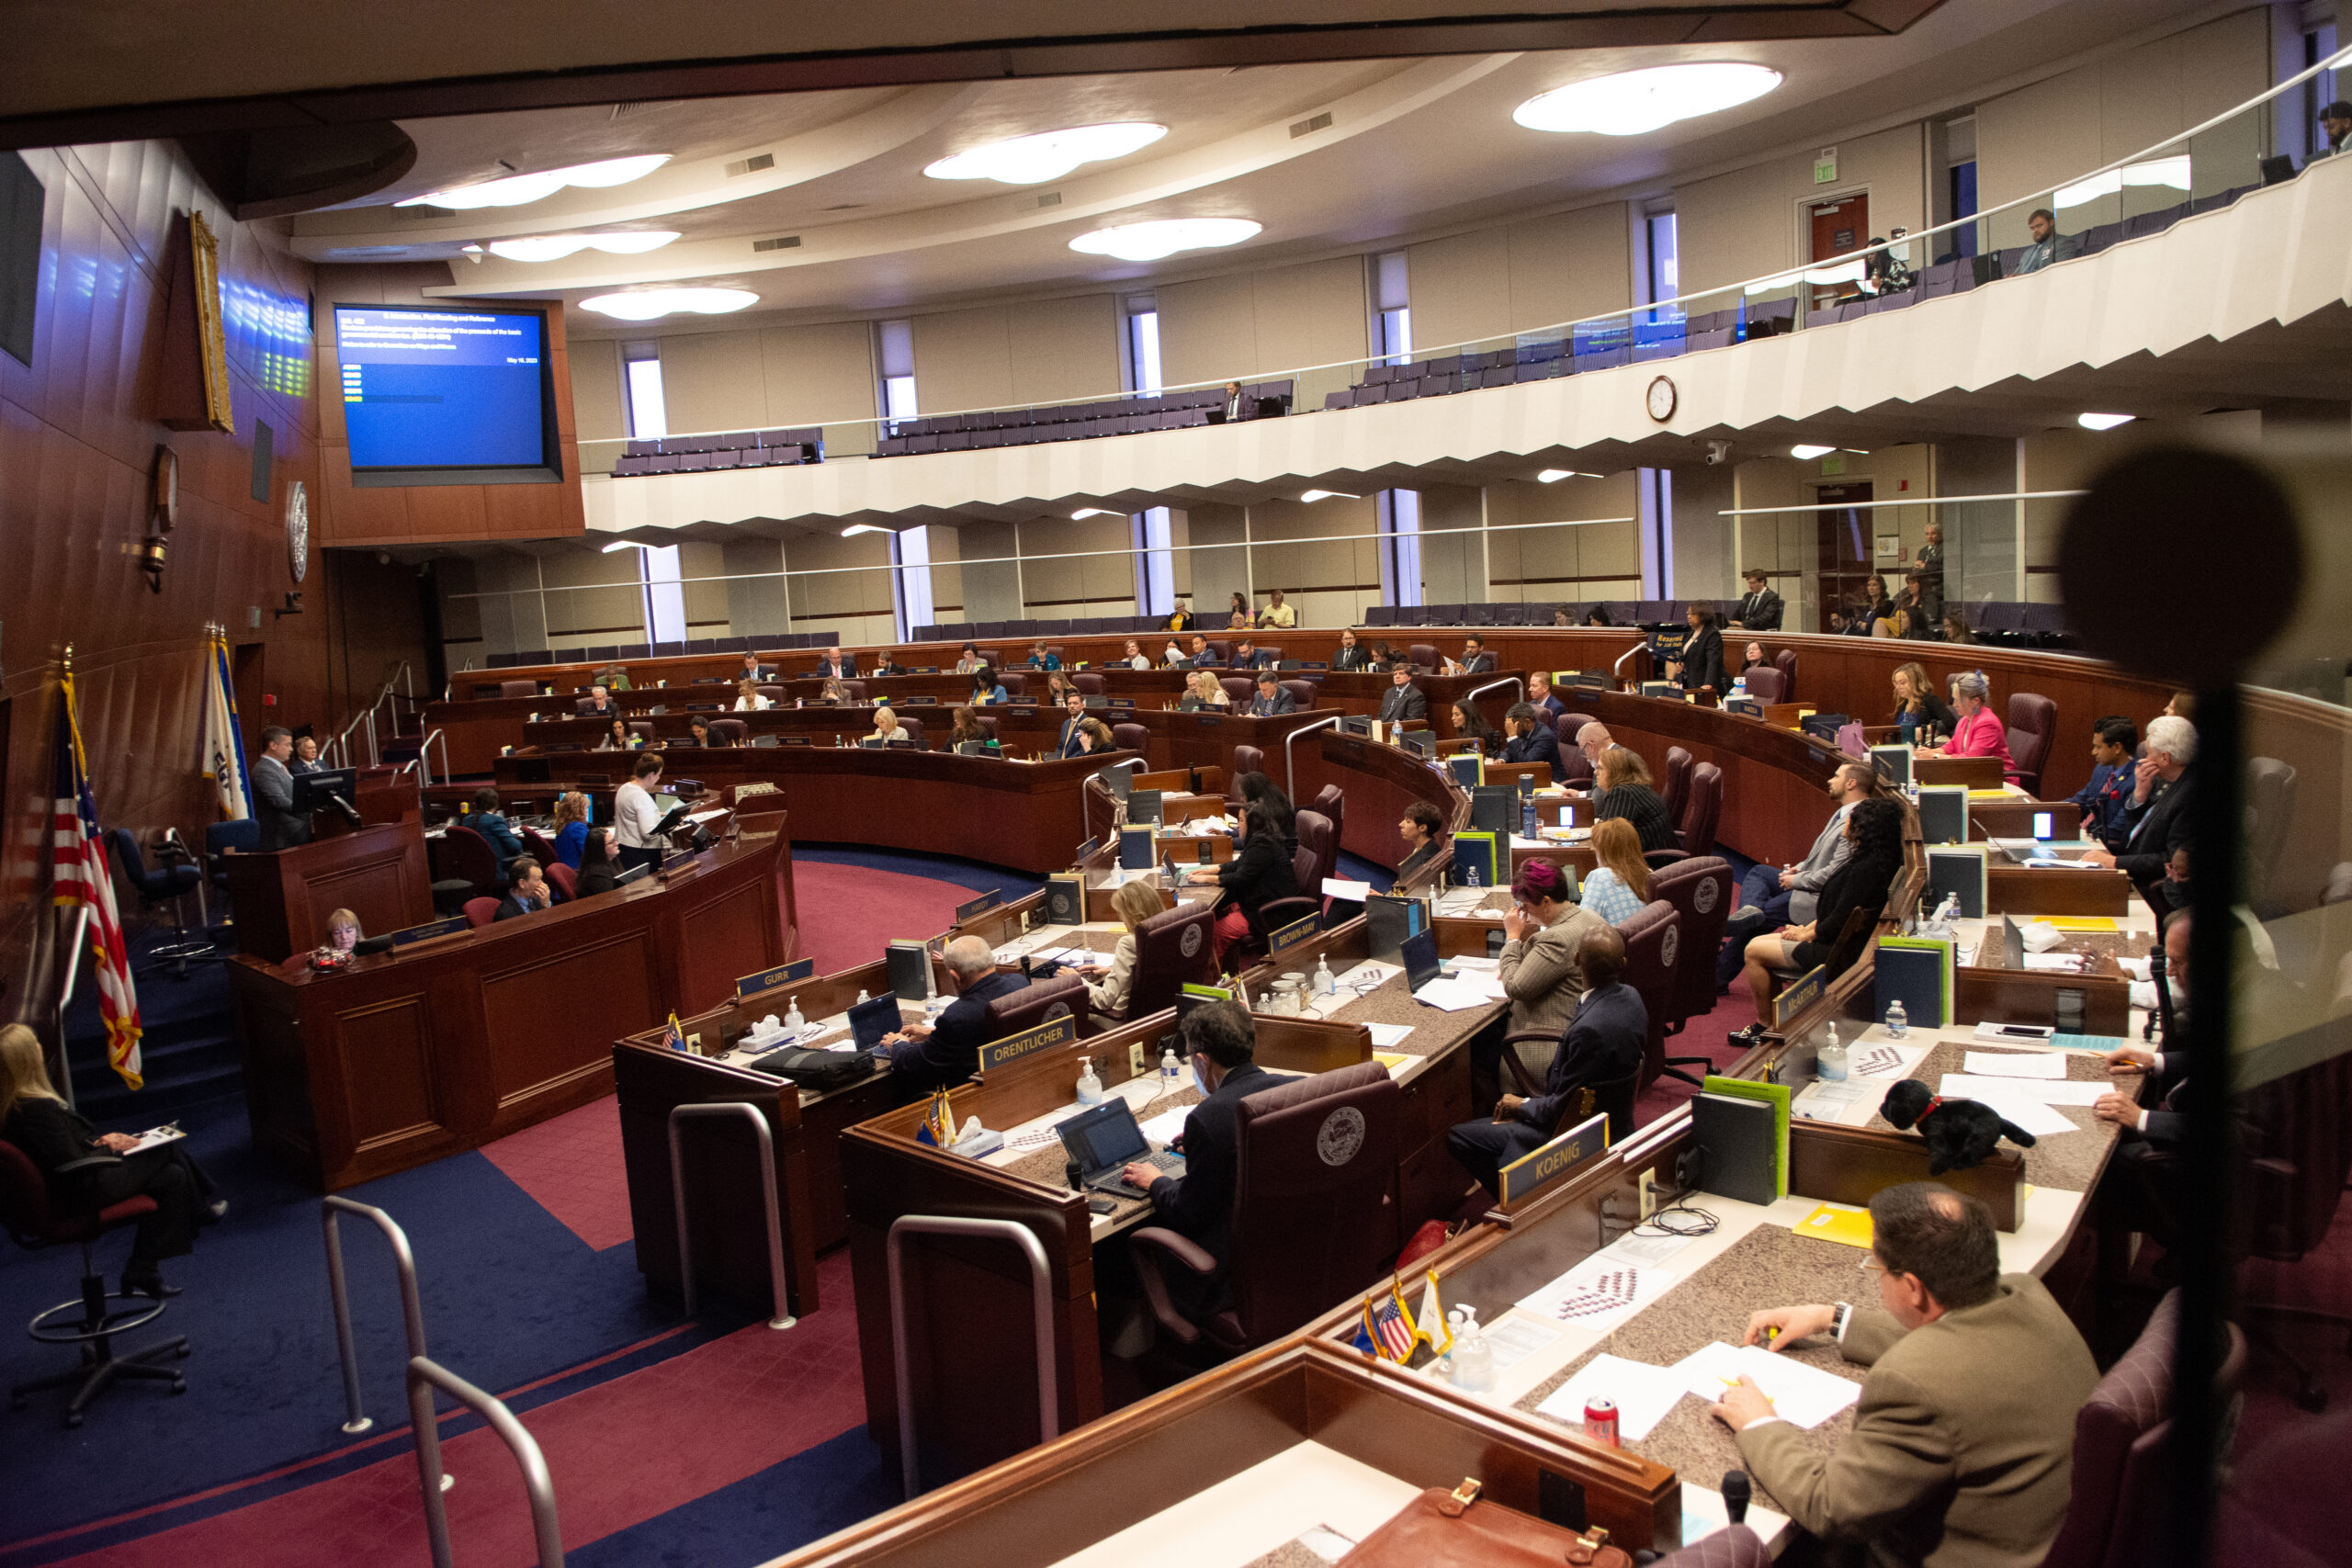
2158 816
1070 743
528 895
947 1051
755 671
1531 736
1222 1041
1204 656
1760 610
282 826
1351 654
1403 700
1603 1045
1475 660
1271 698
600 703
2141 1189
1246 656
834 666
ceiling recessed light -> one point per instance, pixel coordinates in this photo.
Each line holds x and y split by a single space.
1048 156
624 545
2103 420
1329 495
862 528
555 247
653 304
1150 241
1806 449
1553 476
1083 512
1633 102
516 190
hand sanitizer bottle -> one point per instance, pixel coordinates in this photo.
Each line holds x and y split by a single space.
792 1019
1474 1360
1090 1087
1326 983
1829 1064
1898 1023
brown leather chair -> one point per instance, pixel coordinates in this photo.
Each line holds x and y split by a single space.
774 694
1675 787
1317 839
1653 936
470 856
538 846
1064 996
1220 650
642 728
1765 683
1247 759
1171 949
1239 688
1088 682
1313 1216
1131 737
1785 661
1304 692
2123 1463
1702 810
732 730
1267 650
563 879
518 688
1703 891
1425 655
2033 724
1015 686
480 912
1332 802
988 723
913 727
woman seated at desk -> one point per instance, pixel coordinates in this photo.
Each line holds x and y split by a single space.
1201 690
1093 737
343 932
1422 830
986 689
1134 903
572 826
968 660
1135 659
35 1118
701 735
964 728
1619 884
1057 689
1469 724
1624 791
1860 885
597 869
887 726
1919 714
1975 732
1260 871
617 737
748 698
1174 656
832 693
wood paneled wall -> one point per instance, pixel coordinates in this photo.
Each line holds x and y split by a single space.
77 445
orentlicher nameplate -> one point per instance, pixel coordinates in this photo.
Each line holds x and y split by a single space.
1281 942
1012 1047
769 979
1563 1156
1801 994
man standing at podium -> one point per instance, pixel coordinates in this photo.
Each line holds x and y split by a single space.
282 826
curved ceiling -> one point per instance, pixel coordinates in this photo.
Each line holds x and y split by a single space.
1411 147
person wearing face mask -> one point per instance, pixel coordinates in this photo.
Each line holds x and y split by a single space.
1222 1041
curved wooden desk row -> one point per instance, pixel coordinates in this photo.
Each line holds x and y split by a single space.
443 1046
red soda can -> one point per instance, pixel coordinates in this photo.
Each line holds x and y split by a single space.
1601 1422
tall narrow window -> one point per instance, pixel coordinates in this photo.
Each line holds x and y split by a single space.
894 352
1960 188
1397 515
1394 339
649 414
910 582
665 600
1665 273
1143 344
1155 566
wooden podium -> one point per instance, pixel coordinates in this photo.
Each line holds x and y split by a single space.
283 897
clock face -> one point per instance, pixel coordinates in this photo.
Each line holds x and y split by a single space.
1661 399
297 529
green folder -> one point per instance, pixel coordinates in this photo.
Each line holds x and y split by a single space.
1918 970
1776 1095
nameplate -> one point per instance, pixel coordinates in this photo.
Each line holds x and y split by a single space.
1012 1047
430 930
1560 1159
1798 996
1209 720
676 860
980 905
1295 934
769 979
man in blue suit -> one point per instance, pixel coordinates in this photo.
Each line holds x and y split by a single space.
947 1051
2105 803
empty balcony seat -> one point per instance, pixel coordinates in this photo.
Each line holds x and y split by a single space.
626 468
1378 374
640 448
1720 337
1345 397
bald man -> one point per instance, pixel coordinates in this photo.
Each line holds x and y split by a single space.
946 1052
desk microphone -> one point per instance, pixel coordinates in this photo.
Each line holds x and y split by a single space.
350 812
1736 1492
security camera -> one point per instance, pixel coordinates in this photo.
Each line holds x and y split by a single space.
1718 452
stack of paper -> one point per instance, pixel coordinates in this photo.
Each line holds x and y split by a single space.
1457 995
2017 1063
2061 1091
1799 1393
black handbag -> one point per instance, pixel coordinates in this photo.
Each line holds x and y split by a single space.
816 1071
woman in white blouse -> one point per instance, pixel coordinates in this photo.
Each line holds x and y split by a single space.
1136 658
748 698
1134 903
887 726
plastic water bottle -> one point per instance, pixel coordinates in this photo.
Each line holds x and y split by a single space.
1171 1072
1829 1064
1898 1023
792 1019
1527 818
1090 1087
1326 983
1474 1359
862 997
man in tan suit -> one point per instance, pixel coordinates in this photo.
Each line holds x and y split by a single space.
1962 1447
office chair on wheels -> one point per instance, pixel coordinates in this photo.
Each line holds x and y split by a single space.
169 883
90 1322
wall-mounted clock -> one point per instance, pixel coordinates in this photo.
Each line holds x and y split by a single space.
1662 399
297 528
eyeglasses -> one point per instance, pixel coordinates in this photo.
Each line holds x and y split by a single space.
1870 1265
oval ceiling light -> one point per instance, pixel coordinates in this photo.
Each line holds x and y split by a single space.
2103 420
517 191
1633 102
1048 156
653 304
1150 241
555 247
1808 451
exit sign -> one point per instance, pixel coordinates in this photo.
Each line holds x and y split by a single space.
1825 167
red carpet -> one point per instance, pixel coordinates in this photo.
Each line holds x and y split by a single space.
571 1166
620 1453
863 909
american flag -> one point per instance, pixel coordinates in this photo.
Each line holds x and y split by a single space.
79 877
673 1036
1393 1328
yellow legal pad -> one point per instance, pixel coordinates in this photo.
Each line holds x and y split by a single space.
1392 1060
1835 1222
2080 923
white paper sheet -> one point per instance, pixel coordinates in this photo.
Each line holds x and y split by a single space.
1643 1394
2069 1091
1166 1127
1599 1294
1513 1339
1347 892
2054 962
1883 1060
1388 1036
1801 1394
2017 1063
1452 996
2041 1120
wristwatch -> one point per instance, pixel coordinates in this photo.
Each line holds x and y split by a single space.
1838 1324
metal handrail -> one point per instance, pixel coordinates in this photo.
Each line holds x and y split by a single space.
422 762
412 1307
1290 764
424 1376
1618 669
1041 1301
341 745
1476 691
679 1115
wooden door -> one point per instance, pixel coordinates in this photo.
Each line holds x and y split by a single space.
1839 228
1846 545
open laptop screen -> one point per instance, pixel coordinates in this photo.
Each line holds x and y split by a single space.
1421 959
1104 1138
869 1021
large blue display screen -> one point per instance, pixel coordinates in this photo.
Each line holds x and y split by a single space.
441 388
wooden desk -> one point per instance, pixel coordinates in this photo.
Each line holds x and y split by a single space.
283 897
1379 782
1976 772
2012 889
425 1050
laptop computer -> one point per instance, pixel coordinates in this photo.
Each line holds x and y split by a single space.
1104 1141
1419 952
870 1020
